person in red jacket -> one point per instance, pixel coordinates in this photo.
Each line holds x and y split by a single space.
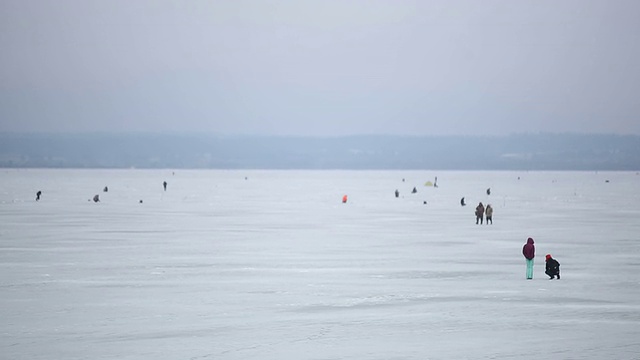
529 252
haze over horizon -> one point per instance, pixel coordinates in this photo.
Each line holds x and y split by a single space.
320 68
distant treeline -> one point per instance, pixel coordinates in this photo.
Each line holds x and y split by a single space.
513 152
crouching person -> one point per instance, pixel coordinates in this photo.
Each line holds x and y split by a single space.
552 267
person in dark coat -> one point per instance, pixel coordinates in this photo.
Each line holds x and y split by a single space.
479 213
38 195
529 252
552 267
397 193
165 185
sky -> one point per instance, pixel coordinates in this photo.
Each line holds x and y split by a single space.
320 68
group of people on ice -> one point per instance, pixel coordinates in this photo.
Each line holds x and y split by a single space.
481 212
552 266
96 197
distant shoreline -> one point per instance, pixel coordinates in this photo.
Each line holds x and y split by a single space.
522 152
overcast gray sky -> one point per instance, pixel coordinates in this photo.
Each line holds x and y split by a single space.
333 67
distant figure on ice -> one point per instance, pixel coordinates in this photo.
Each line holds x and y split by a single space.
397 193
38 195
96 198
462 203
479 213
344 199
489 214
106 189
529 252
414 190
552 267
435 182
488 191
165 185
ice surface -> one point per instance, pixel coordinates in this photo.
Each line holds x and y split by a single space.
271 265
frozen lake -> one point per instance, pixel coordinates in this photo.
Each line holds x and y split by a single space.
272 265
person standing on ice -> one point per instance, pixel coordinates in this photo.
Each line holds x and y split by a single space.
552 267
489 214
479 213
529 252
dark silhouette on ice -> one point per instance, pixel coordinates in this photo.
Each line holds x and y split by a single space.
479 213
552 267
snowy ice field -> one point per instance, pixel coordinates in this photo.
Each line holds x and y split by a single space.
271 265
